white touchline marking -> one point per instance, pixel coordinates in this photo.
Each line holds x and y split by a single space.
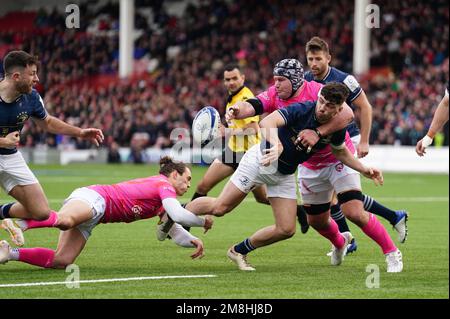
50 283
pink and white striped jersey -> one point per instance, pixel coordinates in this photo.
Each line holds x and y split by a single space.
135 199
310 92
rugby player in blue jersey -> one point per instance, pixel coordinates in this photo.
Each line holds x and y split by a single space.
19 101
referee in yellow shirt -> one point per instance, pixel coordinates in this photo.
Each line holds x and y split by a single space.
242 134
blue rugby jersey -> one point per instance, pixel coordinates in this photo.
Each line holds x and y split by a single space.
335 75
14 115
300 116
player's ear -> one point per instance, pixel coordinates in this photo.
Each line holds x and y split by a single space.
328 57
15 76
174 174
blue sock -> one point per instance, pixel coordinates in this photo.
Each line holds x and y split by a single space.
374 207
244 247
4 211
339 218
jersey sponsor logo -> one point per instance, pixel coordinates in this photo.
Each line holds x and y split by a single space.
351 83
5 131
339 167
137 211
22 117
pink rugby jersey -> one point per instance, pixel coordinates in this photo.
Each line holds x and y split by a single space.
310 92
324 157
135 199
272 102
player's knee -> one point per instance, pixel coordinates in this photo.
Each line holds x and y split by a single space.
316 214
262 200
352 206
286 232
203 187
220 210
40 213
65 222
62 261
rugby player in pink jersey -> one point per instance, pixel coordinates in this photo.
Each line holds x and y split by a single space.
126 202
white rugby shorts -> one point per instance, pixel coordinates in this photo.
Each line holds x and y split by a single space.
316 186
95 201
251 174
14 171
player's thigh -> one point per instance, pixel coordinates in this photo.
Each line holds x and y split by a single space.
230 197
33 202
314 186
345 179
76 212
71 243
83 206
260 194
284 212
216 173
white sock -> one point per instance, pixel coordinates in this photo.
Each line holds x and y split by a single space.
22 224
14 254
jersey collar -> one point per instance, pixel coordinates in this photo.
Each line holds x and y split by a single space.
326 75
230 96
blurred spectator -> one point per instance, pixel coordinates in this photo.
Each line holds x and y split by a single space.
183 56
113 153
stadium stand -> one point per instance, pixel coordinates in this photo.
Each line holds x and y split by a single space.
178 60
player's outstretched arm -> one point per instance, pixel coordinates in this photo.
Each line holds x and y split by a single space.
244 109
439 119
181 215
343 154
366 123
53 125
184 238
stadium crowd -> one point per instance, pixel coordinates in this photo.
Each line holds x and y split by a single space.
183 59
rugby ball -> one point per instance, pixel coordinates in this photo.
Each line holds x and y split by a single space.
205 126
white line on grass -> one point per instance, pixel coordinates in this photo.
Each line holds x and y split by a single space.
50 283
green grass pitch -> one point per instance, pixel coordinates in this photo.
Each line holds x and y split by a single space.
292 269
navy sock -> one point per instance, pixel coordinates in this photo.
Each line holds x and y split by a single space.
244 247
197 195
339 218
301 215
376 208
4 210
